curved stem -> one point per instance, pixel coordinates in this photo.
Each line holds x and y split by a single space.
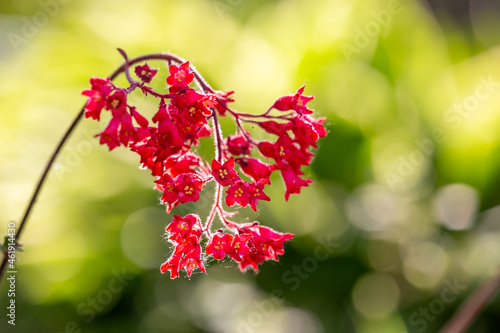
39 185
471 307
153 56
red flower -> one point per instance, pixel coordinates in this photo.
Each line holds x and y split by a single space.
307 130
295 102
188 187
167 145
127 132
182 227
141 121
110 135
239 247
100 89
187 255
264 244
292 181
192 260
255 168
167 139
266 148
238 193
274 127
145 73
219 245
238 145
244 193
181 163
117 103
172 265
257 193
193 106
170 197
204 131
224 174
180 75
186 232
289 152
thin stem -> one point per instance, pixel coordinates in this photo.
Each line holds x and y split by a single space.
214 208
169 58
471 307
39 185
153 56
218 136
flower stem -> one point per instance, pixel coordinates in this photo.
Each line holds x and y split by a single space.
214 209
39 186
471 307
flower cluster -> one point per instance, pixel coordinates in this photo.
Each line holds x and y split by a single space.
166 147
185 232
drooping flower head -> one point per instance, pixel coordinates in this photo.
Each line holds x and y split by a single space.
240 169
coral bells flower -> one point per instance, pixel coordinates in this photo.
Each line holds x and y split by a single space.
251 246
180 75
254 168
110 135
186 233
295 102
238 145
145 73
224 174
241 167
182 227
220 245
97 97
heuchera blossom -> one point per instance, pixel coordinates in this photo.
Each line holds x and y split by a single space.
240 169
145 73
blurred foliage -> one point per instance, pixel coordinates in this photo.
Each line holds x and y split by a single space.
407 183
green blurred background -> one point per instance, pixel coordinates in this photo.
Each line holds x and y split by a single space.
401 224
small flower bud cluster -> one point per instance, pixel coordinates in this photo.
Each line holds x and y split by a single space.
166 145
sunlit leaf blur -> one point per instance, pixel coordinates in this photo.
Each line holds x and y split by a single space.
400 225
